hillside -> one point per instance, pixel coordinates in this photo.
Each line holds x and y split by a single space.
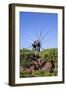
35 64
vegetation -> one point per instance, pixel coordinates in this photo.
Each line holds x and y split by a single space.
26 62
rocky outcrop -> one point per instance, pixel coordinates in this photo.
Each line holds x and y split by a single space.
39 64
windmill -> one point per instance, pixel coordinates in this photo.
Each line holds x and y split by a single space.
36 50
36 44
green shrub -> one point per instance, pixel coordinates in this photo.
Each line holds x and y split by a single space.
46 55
24 74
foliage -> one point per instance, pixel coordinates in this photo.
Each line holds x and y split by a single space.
24 74
46 55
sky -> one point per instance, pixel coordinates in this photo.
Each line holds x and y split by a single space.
34 25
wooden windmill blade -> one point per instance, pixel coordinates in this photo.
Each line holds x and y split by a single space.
36 35
40 34
44 36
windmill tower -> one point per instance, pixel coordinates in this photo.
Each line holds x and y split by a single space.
36 45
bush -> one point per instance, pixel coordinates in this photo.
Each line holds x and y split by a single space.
46 55
24 74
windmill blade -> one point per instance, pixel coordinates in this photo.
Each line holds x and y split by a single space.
40 34
45 41
44 36
45 46
29 41
31 35
36 35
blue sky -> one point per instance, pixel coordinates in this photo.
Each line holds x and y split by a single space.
32 24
